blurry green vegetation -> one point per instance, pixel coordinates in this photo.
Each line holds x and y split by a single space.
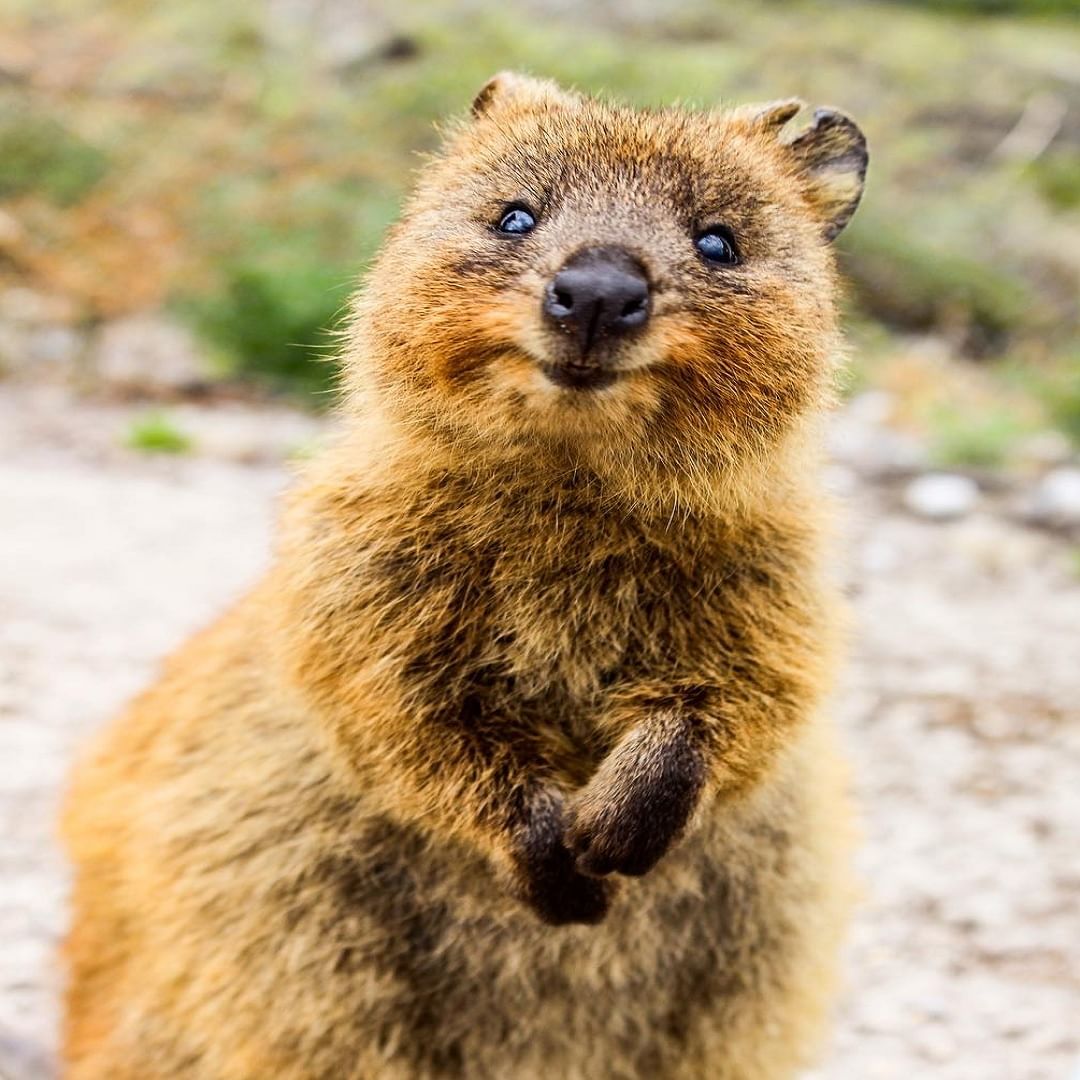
155 433
1057 176
910 282
252 156
38 154
271 321
1059 389
974 437
997 7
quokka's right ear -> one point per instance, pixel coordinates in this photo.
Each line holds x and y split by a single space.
509 88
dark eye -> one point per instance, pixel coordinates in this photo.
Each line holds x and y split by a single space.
516 221
717 245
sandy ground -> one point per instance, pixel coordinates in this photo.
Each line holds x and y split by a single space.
959 706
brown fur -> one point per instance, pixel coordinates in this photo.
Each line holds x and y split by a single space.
512 767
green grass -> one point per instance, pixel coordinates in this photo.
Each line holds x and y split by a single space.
1057 177
1059 390
270 320
964 436
941 245
271 171
155 433
997 7
906 279
38 154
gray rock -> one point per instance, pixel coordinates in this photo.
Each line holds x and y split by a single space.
54 345
146 353
28 307
1057 498
1045 449
37 333
860 439
941 496
23 1058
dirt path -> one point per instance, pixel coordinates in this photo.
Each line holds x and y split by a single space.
960 708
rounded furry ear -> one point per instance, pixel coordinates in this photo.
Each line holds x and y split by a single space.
832 156
773 114
510 87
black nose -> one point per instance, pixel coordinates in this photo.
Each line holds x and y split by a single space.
600 292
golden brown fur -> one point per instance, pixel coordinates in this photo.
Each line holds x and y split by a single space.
406 810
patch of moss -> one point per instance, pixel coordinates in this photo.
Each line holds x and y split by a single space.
1057 177
908 283
155 433
38 154
1060 393
973 437
996 7
271 320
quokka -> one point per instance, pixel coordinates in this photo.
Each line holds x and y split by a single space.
515 763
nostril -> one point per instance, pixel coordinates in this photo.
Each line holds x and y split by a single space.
598 293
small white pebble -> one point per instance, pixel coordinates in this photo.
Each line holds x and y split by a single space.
941 496
1057 498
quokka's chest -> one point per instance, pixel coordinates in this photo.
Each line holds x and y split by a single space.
549 632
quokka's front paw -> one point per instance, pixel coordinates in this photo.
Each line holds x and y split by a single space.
638 802
545 876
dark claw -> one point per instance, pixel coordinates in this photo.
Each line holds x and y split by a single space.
546 877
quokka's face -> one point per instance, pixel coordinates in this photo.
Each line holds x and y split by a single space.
574 271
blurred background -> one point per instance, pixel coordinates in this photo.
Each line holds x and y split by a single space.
188 192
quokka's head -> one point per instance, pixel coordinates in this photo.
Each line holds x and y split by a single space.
645 290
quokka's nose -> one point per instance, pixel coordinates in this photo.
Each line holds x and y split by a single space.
600 292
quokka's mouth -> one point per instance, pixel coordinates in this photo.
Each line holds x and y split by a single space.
581 376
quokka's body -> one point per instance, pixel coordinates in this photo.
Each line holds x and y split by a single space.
513 765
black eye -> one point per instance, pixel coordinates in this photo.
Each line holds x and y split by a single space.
717 245
516 222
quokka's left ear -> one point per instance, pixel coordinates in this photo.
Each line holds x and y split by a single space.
772 115
511 88
832 157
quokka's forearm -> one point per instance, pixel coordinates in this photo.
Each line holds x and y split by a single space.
475 780
731 724
680 747
476 787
